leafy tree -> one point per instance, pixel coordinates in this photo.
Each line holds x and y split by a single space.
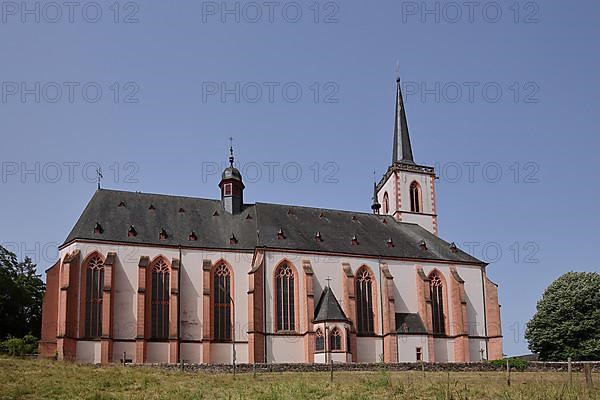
21 295
567 321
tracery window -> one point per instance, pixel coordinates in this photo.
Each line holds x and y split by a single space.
437 304
285 300
364 302
335 339
94 288
319 340
222 303
160 300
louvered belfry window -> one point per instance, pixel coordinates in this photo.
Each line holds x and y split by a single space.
415 197
94 288
160 300
284 277
364 302
222 303
437 305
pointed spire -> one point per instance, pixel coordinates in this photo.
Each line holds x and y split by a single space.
375 206
402 149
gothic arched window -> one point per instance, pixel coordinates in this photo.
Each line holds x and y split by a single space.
364 302
415 197
285 301
222 303
319 340
437 304
94 287
335 339
160 300
386 203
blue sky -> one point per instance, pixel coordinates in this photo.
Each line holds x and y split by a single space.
501 88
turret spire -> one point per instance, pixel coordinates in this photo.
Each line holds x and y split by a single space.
375 206
402 148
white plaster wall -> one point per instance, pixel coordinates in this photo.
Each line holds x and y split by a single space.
285 349
443 350
423 220
474 294
369 349
157 352
475 347
120 347
88 351
406 178
407 347
390 188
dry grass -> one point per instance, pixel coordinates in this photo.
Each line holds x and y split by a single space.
36 379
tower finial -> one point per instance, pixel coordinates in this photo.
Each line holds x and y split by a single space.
402 149
231 151
375 206
397 71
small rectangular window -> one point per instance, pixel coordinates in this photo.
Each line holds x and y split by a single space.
228 189
419 354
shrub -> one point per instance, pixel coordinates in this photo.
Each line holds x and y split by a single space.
19 346
515 363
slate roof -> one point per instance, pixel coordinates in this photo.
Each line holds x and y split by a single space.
328 308
258 225
409 323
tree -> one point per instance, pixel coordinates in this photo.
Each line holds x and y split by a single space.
567 321
21 296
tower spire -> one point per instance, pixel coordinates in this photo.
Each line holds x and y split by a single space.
402 148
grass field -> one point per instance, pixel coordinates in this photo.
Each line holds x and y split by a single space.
36 379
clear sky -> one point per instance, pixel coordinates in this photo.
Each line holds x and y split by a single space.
500 96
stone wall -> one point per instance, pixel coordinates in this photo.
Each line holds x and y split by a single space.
431 367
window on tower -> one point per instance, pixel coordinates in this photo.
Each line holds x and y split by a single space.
228 189
415 197
386 203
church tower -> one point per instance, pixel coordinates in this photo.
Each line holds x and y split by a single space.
407 189
232 188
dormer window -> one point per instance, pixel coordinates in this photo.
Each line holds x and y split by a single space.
122 204
163 234
233 239
151 208
228 189
192 237
390 242
98 229
318 237
354 241
131 232
423 245
453 247
280 234
181 210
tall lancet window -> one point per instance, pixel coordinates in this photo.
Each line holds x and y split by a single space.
222 303
94 287
386 203
415 197
364 302
284 282
160 300
437 304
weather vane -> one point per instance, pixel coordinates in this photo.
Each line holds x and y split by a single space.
99 175
231 150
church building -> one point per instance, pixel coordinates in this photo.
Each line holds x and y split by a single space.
160 279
